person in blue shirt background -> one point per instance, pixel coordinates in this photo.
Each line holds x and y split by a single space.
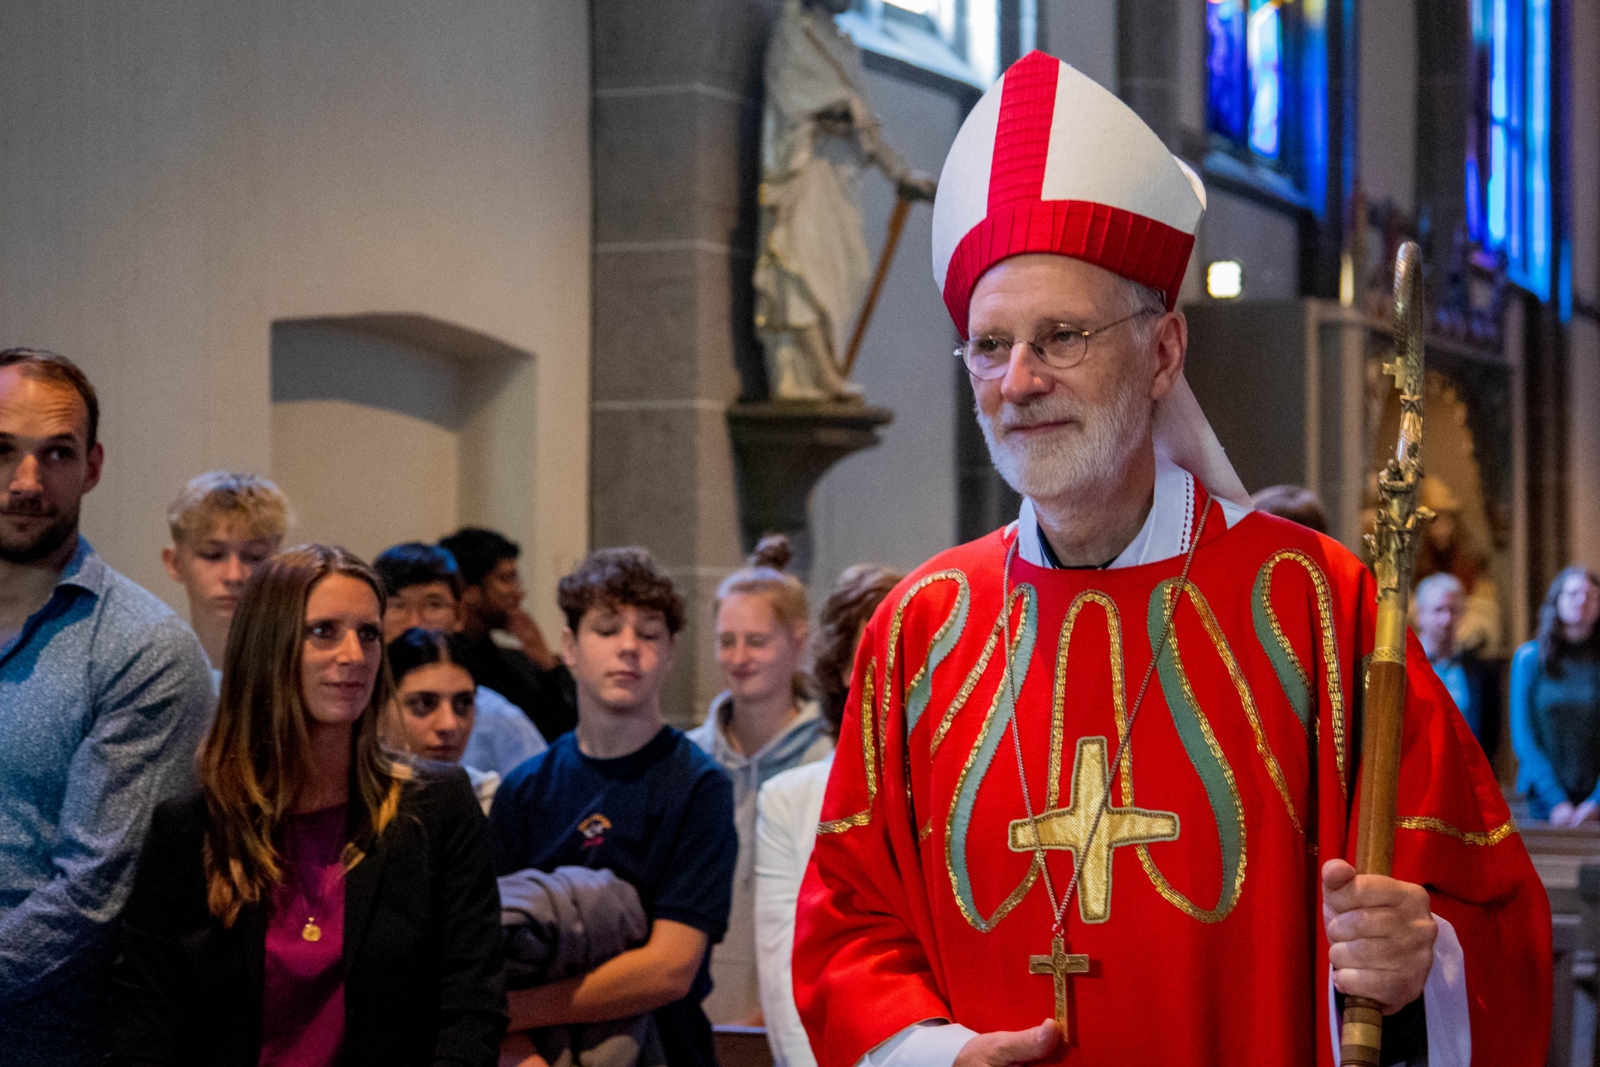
1473 682
104 695
1555 704
627 793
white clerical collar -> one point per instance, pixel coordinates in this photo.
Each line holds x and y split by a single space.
1166 530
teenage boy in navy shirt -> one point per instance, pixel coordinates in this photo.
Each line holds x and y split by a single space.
627 793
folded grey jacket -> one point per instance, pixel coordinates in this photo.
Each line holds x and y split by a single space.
564 923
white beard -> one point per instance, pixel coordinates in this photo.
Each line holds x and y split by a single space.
1077 461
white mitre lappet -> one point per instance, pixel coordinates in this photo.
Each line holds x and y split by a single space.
1049 161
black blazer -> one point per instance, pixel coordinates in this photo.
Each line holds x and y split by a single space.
421 948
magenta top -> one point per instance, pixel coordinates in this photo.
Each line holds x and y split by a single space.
302 1001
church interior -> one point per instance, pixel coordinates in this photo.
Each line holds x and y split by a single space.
491 264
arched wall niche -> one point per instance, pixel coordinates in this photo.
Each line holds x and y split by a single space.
400 427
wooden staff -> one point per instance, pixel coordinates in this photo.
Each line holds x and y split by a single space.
1393 547
897 222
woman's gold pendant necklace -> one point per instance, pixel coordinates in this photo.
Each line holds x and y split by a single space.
311 931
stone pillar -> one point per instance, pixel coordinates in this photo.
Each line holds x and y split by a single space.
1444 103
676 129
1149 64
1547 397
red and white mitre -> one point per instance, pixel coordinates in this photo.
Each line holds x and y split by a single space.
1050 161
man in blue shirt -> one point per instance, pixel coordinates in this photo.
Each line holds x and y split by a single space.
1473 682
104 694
629 794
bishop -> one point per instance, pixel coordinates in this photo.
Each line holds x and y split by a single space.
1186 671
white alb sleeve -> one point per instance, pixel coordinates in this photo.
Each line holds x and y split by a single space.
1444 999
932 1043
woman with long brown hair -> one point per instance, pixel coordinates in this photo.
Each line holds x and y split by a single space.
1555 703
319 900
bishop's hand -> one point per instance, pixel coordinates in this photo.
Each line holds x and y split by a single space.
1005 1047
1380 935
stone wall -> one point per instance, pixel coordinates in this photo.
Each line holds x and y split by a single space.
676 127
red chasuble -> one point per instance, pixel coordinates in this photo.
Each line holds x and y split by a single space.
1199 906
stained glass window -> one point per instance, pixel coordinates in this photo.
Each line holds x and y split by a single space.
1244 66
1266 76
1508 155
1226 67
955 37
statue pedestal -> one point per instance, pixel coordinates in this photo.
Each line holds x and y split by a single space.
781 449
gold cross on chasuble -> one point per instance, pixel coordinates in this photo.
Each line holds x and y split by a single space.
1058 965
1068 828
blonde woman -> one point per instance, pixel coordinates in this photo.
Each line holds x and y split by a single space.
790 806
766 722
317 901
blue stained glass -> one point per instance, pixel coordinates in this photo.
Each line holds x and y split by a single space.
1227 84
1517 213
1499 113
1481 31
1514 194
1311 51
1499 87
1474 201
1538 150
1497 186
1266 76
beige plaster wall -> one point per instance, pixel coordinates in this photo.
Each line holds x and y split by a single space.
177 176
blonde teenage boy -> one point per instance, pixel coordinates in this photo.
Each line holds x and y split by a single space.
224 525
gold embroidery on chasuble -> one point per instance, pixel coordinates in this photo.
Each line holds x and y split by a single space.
1069 828
1066 827
1482 838
1292 674
875 721
976 768
869 755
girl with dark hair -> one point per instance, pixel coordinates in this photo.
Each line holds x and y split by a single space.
1555 704
435 704
317 901
791 804
764 723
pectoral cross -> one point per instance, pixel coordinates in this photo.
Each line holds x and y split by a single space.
1068 828
1058 965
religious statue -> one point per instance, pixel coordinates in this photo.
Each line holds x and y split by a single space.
818 132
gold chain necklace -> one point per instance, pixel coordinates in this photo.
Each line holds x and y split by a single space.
1059 964
311 931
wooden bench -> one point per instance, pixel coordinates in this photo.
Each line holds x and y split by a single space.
1568 862
741 1046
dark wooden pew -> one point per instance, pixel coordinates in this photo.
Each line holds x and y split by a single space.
1568 862
741 1046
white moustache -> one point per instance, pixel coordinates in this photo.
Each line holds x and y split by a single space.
1014 418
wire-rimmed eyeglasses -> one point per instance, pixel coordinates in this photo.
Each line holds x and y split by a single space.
1058 346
